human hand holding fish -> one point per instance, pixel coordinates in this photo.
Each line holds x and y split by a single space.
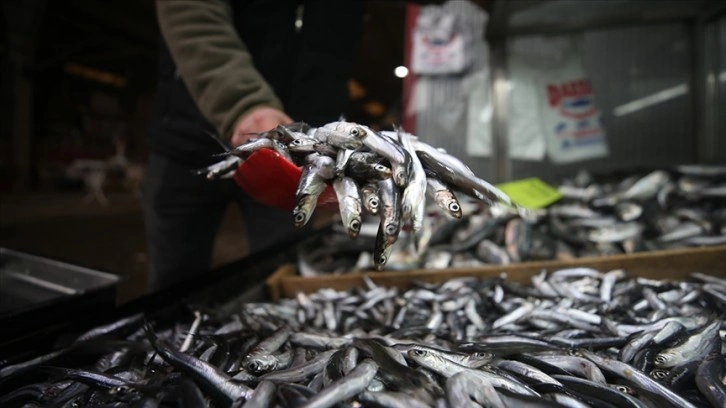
342 163
257 120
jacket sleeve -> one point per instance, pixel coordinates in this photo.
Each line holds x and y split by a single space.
213 62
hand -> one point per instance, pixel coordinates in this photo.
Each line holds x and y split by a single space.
259 119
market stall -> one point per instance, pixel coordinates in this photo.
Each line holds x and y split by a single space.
591 274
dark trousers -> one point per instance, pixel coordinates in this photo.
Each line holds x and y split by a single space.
182 213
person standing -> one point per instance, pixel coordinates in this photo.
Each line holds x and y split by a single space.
233 67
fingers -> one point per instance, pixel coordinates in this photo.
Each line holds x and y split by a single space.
259 120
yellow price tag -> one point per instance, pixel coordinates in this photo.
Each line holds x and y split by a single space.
531 192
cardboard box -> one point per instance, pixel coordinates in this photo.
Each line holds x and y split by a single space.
670 264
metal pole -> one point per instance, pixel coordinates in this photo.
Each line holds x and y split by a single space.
496 36
705 83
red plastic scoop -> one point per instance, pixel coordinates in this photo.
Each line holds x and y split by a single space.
271 179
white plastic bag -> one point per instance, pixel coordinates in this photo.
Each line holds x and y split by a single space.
441 44
570 118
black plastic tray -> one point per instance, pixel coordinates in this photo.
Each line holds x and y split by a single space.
37 292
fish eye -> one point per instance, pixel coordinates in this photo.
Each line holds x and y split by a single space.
420 352
390 229
299 217
659 374
382 259
355 225
454 207
354 131
297 142
373 203
482 354
253 366
660 359
380 167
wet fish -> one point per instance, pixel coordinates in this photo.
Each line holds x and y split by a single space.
350 206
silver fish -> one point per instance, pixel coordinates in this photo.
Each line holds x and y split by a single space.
371 202
349 203
696 346
413 201
309 188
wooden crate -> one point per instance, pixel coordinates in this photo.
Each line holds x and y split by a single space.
673 264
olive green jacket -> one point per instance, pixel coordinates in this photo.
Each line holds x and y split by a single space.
213 62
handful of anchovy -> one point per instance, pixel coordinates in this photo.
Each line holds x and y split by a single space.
572 338
597 216
387 173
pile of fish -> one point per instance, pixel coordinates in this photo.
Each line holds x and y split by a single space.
387 173
683 207
570 338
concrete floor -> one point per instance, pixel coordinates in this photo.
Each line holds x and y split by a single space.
107 238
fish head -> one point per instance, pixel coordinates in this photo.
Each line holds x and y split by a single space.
480 358
400 176
392 228
382 250
664 359
625 389
425 357
302 144
658 374
373 204
352 129
354 227
300 214
454 208
384 171
261 364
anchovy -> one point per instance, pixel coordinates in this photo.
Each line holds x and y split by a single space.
647 187
346 387
209 377
448 368
336 136
371 202
452 170
349 203
303 145
463 386
413 199
261 359
443 196
695 347
299 373
390 209
220 170
341 161
310 187
641 380
366 166
600 391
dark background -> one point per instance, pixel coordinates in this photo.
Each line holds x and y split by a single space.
77 80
